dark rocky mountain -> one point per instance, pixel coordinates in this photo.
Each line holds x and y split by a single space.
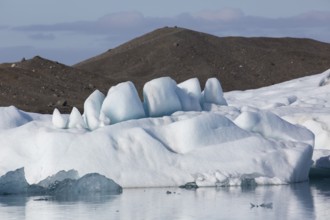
240 63
39 85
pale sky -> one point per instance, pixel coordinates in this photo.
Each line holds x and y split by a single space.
70 31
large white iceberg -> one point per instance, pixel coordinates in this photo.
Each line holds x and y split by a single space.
259 137
202 147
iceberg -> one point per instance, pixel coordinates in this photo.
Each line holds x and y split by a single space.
90 184
201 147
58 177
64 184
13 182
240 138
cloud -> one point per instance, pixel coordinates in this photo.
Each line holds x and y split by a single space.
75 41
221 15
321 16
42 36
227 21
121 20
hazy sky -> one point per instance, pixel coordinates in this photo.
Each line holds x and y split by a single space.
72 30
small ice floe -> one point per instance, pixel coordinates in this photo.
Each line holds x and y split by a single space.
41 199
189 186
262 205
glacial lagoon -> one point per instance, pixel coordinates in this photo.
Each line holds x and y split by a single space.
308 200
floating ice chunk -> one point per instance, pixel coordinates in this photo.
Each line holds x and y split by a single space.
60 176
96 183
321 159
160 97
89 184
321 166
213 92
189 186
75 119
13 182
58 120
323 162
11 117
189 93
122 103
63 183
92 108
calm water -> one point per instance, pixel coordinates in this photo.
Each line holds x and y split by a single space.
299 201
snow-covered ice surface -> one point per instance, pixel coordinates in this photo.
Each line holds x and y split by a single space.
249 141
304 101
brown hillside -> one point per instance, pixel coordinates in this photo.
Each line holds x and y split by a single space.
40 85
240 63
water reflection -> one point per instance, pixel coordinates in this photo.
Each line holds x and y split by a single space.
288 202
297 201
13 200
321 197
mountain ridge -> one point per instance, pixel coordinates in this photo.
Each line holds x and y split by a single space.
240 63
182 54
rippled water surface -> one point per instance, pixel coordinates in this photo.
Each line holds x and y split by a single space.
298 201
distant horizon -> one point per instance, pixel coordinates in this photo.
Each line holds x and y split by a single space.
106 49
